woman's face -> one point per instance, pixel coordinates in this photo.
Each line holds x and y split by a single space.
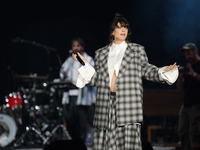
120 33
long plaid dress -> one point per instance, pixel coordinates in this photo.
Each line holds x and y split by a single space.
117 137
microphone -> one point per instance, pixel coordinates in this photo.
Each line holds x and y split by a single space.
79 59
70 51
17 40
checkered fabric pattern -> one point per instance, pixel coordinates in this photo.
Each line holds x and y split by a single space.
129 90
117 138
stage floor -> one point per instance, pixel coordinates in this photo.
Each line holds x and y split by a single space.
88 148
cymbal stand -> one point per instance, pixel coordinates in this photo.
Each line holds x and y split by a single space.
54 130
23 136
60 125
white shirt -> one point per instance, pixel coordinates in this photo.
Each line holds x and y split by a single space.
115 57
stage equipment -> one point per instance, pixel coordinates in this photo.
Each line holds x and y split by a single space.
14 101
60 86
8 130
40 129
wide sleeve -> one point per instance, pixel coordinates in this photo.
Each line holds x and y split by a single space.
170 76
86 73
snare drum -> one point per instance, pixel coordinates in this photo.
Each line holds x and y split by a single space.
14 100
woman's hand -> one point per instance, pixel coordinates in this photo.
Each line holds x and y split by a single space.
171 67
74 56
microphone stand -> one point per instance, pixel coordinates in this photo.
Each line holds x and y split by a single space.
47 48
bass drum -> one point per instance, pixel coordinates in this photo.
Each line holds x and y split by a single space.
8 130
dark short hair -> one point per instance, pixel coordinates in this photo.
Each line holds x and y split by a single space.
79 40
124 23
188 46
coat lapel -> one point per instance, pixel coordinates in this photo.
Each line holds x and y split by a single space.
104 62
128 55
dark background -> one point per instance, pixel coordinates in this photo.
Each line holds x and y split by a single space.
161 26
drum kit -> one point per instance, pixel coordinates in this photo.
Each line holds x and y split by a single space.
27 120
32 115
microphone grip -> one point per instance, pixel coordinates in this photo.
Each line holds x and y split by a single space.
79 59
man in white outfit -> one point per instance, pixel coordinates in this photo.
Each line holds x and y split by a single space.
78 103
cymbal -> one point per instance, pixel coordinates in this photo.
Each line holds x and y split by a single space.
31 77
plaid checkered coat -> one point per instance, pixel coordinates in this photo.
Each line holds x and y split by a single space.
129 87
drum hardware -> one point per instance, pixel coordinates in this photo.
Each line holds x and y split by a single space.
38 130
44 131
59 87
37 133
50 134
31 134
23 137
